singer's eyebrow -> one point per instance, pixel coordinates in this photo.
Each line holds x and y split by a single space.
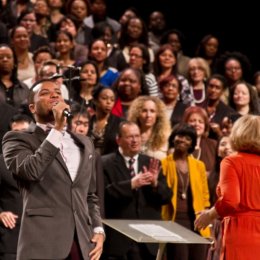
47 90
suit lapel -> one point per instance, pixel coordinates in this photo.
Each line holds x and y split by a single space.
141 162
83 151
120 165
41 136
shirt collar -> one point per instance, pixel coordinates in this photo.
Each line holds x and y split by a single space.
127 158
45 127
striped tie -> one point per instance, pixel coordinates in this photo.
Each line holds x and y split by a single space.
131 167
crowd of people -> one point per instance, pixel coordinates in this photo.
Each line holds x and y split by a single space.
149 133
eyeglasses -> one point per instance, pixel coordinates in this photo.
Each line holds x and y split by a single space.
233 69
135 55
29 20
173 85
196 68
8 57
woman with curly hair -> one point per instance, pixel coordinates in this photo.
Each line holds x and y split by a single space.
149 114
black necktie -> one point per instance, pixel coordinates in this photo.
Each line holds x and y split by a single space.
131 166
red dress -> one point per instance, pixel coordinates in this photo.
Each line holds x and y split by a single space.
239 205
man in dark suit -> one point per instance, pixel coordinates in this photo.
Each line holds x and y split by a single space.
134 189
56 174
10 201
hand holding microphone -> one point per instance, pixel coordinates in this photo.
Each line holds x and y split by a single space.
61 112
67 113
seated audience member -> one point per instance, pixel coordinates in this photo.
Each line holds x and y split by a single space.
135 188
205 149
98 53
243 99
140 59
217 110
170 88
41 55
149 114
12 90
176 39
10 200
103 124
82 91
78 123
20 42
187 178
129 85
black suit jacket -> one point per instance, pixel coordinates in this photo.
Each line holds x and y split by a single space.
6 114
121 202
177 113
10 200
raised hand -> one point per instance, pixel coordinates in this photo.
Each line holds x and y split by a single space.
154 169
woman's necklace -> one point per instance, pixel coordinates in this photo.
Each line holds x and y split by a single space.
184 184
200 100
198 152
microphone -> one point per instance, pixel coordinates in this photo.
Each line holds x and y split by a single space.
67 113
55 76
72 67
77 78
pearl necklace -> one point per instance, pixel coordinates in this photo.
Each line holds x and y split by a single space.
199 153
198 101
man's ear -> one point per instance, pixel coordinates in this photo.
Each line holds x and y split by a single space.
118 140
32 108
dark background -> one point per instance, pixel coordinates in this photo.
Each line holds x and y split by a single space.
236 24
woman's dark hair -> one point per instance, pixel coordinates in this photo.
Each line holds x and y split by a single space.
106 65
145 56
139 74
14 76
219 77
240 57
76 110
24 13
92 62
157 65
98 89
165 37
253 103
125 39
68 34
164 81
201 50
42 49
183 129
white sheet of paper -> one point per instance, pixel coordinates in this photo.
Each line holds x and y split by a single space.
157 232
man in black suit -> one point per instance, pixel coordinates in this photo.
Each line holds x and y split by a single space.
134 189
10 201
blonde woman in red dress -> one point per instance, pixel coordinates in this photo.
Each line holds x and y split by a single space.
238 193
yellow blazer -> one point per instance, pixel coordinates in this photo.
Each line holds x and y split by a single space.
198 184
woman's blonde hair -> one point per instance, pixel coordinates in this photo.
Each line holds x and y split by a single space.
202 63
245 134
161 129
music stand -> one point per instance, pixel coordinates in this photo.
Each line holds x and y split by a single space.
155 231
